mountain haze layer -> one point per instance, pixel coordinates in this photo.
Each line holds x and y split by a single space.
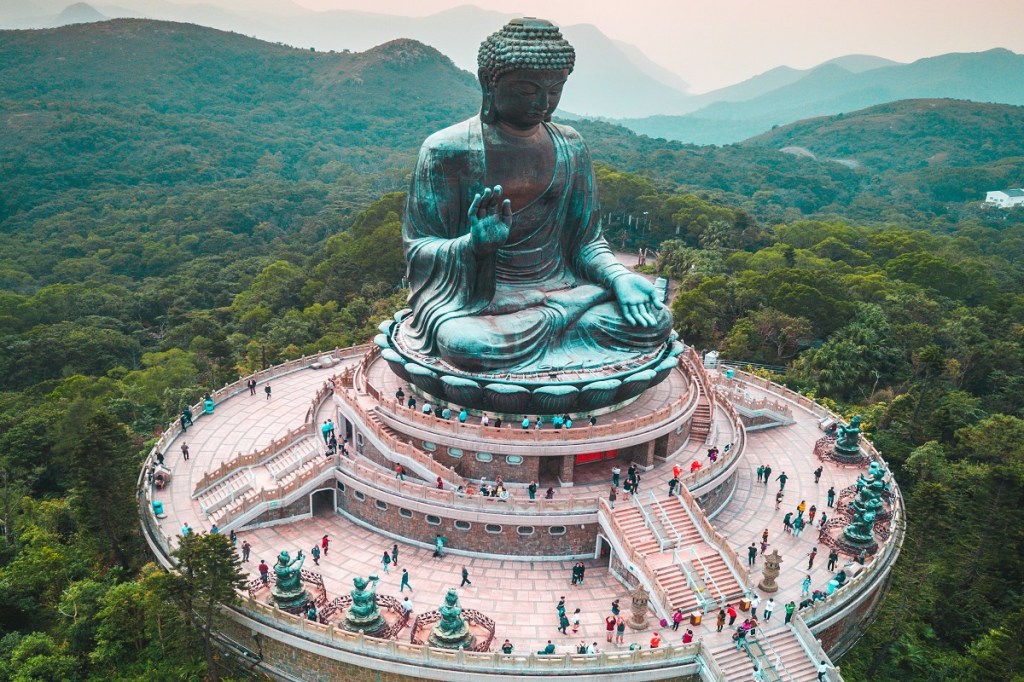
992 76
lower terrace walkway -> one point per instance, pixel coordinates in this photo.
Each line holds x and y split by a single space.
519 595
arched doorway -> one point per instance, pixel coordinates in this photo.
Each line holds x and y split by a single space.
322 502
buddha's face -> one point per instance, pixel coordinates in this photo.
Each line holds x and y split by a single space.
524 98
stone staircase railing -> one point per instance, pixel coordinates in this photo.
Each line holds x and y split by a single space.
714 538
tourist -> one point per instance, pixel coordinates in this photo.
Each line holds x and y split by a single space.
778 500
782 478
560 606
592 649
810 514
532 490
497 423
687 636
463 415
405 581
677 619
548 650
620 630
575 621
412 402
214 530
465 577
184 451
758 674
576 574
740 637
315 552
311 612
400 472
822 670
186 412
752 632
386 561
264 571
394 554
526 423
581 648
755 601
615 607
787 522
185 529
811 556
427 408
550 494
583 572
720 623
731 610
324 543
769 607
616 472
764 546
538 423
251 383
677 471
439 543
592 420
609 626
612 494
798 526
563 623
672 483
484 421
655 640
764 539
439 484
751 554
823 520
805 587
407 605
817 474
833 558
246 548
760 473
831 495
767 473
266 389
506 647
400 396
801 508
694 466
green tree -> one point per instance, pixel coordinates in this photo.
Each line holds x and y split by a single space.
105 465
211 574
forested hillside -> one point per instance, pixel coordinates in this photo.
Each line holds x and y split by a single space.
179 206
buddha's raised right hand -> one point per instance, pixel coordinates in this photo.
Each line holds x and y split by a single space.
489 221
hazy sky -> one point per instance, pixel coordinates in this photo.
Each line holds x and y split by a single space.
712 43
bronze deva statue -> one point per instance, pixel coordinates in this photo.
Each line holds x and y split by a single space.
508 269
287 571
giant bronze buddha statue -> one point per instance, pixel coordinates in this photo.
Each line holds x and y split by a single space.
509 274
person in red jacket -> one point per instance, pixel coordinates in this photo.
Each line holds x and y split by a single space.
324 543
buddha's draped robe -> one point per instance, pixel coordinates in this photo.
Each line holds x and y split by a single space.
544 299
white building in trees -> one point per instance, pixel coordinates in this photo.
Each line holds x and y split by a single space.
1005 198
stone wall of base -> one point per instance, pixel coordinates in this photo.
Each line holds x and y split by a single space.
529 537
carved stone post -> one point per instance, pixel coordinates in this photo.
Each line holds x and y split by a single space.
772 562
638 617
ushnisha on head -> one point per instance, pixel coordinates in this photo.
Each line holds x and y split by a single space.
522 44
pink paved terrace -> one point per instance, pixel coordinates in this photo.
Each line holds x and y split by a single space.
258 466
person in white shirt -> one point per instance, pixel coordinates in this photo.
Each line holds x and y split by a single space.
822 669
407 605
484 421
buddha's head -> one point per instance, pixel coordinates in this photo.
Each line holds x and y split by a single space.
522 69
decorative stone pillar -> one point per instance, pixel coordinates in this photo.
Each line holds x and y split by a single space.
772 562
638 616
566 471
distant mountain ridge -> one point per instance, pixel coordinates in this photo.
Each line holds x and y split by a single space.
992 76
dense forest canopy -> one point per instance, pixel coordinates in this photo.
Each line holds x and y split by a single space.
180 206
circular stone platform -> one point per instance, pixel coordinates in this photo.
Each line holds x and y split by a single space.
553 390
